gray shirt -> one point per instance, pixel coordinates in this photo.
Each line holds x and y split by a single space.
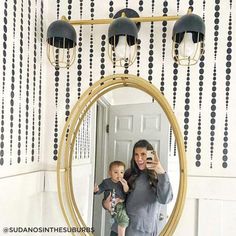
107 187
143 205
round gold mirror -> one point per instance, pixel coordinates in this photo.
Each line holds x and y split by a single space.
64 171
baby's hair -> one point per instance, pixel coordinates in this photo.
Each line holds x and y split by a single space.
116 163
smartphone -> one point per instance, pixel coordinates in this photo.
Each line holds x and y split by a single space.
150 157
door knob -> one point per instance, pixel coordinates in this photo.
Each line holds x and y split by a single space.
161 217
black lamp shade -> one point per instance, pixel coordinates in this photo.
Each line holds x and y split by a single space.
188 39
191 23
61 47
122 36
122 26
61 34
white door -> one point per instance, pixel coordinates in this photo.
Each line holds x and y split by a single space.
130 123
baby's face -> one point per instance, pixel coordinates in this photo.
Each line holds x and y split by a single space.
117 173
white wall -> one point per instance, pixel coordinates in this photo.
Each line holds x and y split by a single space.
126 95
22 123
22 201
210 207
82 181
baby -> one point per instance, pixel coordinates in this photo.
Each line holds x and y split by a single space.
117 187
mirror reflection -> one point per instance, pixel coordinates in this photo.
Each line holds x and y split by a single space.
108 133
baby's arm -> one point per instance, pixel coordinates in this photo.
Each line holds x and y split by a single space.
125 185
98 189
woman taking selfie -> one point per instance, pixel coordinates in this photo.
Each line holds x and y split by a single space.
149 188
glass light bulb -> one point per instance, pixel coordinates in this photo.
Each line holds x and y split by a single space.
122 49
187 47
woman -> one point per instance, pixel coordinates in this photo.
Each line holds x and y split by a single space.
149 187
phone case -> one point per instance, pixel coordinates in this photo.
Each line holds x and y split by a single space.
150 155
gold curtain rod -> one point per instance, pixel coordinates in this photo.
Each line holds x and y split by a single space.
109 21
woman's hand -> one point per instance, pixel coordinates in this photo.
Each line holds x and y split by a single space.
107 202
125 185
155 164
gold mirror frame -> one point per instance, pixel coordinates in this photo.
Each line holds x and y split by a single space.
71 129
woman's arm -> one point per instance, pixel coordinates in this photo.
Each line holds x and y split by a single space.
163 188
106 203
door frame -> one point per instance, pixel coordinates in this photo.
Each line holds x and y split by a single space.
100 168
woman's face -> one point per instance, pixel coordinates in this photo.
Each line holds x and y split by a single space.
140 157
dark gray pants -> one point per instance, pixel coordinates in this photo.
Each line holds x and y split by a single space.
113 233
